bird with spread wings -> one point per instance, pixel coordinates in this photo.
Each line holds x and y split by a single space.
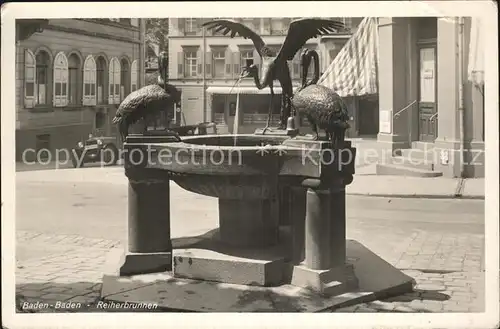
275 66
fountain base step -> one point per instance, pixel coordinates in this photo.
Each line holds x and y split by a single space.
333 281
135 263
215 266
376 279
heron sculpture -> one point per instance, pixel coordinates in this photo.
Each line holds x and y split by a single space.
147 102
275 66
323 107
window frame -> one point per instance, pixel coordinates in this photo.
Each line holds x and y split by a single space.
218 55
89 78
60 77
194 59
114 77
134 74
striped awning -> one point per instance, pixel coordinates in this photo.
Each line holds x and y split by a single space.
476 53
353 72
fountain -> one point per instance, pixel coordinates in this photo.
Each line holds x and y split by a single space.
281 242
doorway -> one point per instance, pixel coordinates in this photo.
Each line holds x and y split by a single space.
427 102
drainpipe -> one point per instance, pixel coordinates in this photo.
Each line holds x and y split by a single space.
461 114
409 85
203 61
142 51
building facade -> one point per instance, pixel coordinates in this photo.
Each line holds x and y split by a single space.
205 66
426 100
71 78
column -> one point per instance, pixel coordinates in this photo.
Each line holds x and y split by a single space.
393 76
149 243
448 101
317 234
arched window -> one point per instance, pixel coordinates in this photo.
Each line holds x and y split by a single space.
114 81
89 81
124 79
29 78
74 80
42 60
60 80
133 75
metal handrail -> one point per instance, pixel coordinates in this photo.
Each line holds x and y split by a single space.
404 109
432 117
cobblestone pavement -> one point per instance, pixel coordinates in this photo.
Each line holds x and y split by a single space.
448 269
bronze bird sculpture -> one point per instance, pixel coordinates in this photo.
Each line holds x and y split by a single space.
275 66
148 101
323 108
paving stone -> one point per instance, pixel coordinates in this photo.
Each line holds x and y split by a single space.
55 289
57 297
430 286
432 305
365 309
32 293
347 309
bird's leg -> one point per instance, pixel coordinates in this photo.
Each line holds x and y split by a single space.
270 111
123 130
283 111
316 131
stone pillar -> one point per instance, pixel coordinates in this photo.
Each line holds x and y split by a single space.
393 81
325 269
149 244
448 102
297 211
317 233
248 223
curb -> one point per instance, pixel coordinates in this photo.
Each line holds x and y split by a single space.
418 196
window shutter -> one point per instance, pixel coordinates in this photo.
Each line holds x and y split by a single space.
229 60
117 81
181 23
286 24
29 79
199 62
256 24
197 23
236 64
208 64
111 81
267 26
180 65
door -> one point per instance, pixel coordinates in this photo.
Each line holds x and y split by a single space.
427 105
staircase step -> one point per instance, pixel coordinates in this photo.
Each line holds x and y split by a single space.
417 154
423 146
413 163
399 170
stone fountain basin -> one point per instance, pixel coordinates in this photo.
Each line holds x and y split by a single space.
223 166
245 166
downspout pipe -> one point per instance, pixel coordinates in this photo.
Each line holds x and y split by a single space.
461 114
203 61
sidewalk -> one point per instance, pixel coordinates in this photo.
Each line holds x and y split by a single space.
416 187
365 182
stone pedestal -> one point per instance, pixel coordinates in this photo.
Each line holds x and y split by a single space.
248 223
244 250
149 244
324 269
